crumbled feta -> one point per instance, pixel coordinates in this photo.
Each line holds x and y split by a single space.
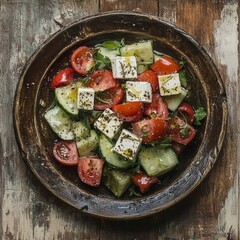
127 145
85 98
108 123
124 67
169 84
138 91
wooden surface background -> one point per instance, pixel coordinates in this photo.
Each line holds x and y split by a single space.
28 211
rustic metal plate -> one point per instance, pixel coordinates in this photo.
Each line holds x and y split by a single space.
35 139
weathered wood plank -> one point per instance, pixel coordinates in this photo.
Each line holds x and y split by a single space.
214 25
150 6
29 212
167 10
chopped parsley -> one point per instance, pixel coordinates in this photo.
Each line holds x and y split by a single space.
133 192
183 78
184 130
113 45
101 62
199 115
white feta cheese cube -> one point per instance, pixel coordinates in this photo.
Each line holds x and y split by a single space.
138 91
127 145
124 67
85 98
108 123
169 84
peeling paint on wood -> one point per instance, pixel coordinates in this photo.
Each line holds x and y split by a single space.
30 212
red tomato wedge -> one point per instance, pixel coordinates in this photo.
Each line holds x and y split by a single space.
102 80
143 181
82 60
158 108
63 78
165 65
151 77
65 152
129 112
109 98
90 170
188 112
180 132
150 129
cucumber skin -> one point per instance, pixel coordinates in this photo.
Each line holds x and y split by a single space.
161 159
112 158
117 181
80 130
87 145
175 100
139 50
59 95
49 114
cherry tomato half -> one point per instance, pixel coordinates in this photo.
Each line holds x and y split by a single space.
188 112
90 170
157 108
165 65
150 129
151 77
109 98
129 112
65 152
179 131
82 60
63 78
143 181
102 80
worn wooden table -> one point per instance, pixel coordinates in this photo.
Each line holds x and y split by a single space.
29 211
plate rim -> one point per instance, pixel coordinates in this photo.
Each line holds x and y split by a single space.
25 155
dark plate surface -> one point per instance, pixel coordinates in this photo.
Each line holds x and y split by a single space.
35 139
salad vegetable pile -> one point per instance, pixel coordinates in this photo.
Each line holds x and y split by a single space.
121 115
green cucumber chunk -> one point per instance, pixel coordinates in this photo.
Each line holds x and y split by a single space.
142 68
117 181
67 98
174 101
111 54
143 51
112 158
86 145
158 160
80 130
60 123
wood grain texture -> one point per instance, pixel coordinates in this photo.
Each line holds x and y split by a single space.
150 6
30 212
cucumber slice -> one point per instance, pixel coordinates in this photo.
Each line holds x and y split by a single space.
143 51
111 54
142 68
67 98
117 181
60 123
87 145
157 161
112 158
174 101
80 130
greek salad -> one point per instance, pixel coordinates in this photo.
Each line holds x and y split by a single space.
121 115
